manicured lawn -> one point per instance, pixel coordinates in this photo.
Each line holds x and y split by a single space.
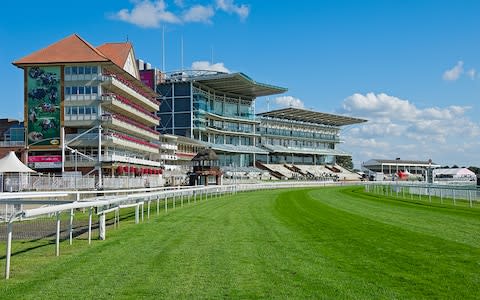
304 243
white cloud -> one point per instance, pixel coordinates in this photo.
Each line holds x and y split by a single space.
199 13
454 73
229 6
398 128
179 3
289 101
472 73
207 66
152 13
147 14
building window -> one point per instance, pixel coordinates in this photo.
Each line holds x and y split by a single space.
80 70
94 90
67 70
88 90
74 90
81 90
74 71
88 70
94 70
68 90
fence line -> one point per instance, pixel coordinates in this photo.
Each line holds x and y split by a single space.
108 201
469 193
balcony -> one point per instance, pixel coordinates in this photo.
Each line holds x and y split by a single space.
165 146
168 157
12 143
119 85
125 124
130 142
125 107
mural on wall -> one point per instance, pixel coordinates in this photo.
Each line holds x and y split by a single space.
43 106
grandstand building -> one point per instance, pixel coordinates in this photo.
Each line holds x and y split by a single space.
389 168
86 109
301 142
216 109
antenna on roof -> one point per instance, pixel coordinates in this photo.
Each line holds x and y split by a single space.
181 49
127 38
163 48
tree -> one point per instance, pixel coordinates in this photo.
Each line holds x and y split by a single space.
475 170
345 161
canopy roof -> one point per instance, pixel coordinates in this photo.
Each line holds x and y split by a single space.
304 115
238 83
400 162
11 164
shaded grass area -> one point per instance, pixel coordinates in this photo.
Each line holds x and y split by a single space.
305 243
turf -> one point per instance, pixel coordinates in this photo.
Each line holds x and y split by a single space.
303 243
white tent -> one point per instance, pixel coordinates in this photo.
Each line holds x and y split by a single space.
454 173
11 164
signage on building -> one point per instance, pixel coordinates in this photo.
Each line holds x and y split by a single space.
42 107
45 161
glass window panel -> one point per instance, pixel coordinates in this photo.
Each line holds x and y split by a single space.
88 70
68 90
74 90
67 70
74 70
94 90
80 70
81 90
88 90
94 70
81 110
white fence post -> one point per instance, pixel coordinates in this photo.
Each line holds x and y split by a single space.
57 242
9 249
71 226
137 213
101 226
90 210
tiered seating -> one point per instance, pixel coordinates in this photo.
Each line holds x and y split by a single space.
130 85
280 169
346 174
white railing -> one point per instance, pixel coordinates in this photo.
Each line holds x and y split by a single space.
115 200
408 190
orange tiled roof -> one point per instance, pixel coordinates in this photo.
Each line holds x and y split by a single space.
70 49
116 52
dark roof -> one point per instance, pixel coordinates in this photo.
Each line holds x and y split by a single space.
238 83
304 115
205 154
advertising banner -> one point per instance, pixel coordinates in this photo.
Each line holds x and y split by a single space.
43 107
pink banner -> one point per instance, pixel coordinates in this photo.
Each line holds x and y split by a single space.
51 158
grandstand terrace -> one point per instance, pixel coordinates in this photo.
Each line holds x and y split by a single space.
216 109
303 143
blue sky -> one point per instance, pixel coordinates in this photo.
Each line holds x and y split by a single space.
409 67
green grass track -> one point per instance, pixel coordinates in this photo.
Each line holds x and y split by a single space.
300 243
